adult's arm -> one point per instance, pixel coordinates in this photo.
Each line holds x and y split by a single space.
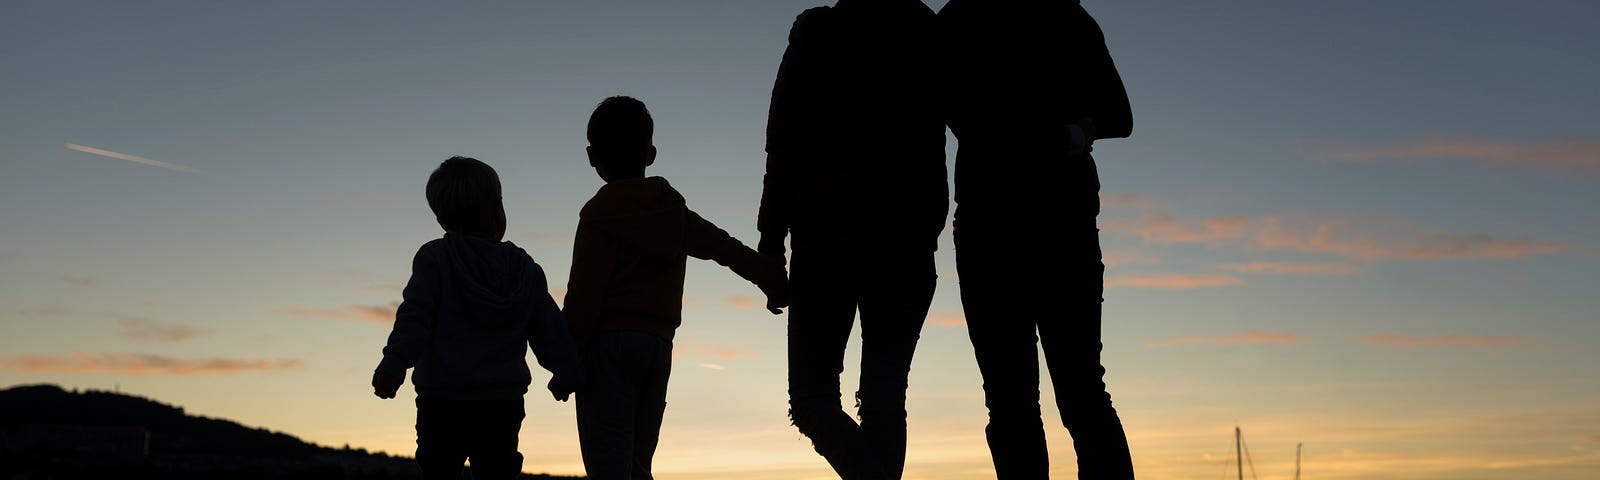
787 135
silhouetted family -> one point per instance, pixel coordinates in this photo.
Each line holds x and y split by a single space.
857 184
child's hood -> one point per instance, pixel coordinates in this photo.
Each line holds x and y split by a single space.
499 280
647 213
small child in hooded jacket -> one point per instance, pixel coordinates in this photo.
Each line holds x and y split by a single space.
472 308
625 295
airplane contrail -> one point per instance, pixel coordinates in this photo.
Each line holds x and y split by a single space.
131 158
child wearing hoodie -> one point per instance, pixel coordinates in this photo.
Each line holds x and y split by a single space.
472 308
625 295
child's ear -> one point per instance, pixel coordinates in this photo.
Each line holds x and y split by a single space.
650 156
589 151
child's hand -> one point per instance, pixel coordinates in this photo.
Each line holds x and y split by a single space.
385 385
561 388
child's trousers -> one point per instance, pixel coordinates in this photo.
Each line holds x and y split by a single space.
450 431
619 413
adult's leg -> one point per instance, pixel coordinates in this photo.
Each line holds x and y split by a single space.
495 426
821 314
997 293
653 357
441 443
606 411
1072 346
894 304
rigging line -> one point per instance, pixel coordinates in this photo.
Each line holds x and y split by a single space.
1247 458
1227 461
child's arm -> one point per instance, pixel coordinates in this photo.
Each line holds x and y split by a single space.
551 343
592 262
707 242
413 325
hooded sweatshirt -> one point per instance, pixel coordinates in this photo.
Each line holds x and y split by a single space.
629 254
470 311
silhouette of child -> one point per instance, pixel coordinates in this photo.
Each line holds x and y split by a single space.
472 308
625 296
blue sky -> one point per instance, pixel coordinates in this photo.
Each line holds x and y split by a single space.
1368 226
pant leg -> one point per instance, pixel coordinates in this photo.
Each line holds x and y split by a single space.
822 310
441 443
654 360
997 292
1072 346
894 306
495 425
606 411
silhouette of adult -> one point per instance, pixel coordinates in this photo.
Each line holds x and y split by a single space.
856 173
1033 87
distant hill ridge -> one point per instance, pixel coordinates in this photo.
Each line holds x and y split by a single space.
51 432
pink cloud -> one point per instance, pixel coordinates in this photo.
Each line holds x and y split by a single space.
947 320
1293 268
1480 247
1461 341
745 302
726 353
141 364
1241 338
362 313
1131 201
1127 256
1327 235
148 330
1161 229
1574 155
1172 281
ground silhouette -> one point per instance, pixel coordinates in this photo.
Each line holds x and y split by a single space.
49 432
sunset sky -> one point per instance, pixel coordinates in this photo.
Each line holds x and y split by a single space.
1368 226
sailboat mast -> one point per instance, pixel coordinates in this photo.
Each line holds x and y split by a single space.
1238 448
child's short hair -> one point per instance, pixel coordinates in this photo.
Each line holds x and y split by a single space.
464 195
621 122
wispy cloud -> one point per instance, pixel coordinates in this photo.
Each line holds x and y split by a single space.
78 281
1162 229
1459 341
745 302
1480 247
947 319
1172 281
1293 268
1131 201
1241 338
141 364
543 238
1574 155
1116 257
148 330
725 353
362 313
132 158
711 366
1336 236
